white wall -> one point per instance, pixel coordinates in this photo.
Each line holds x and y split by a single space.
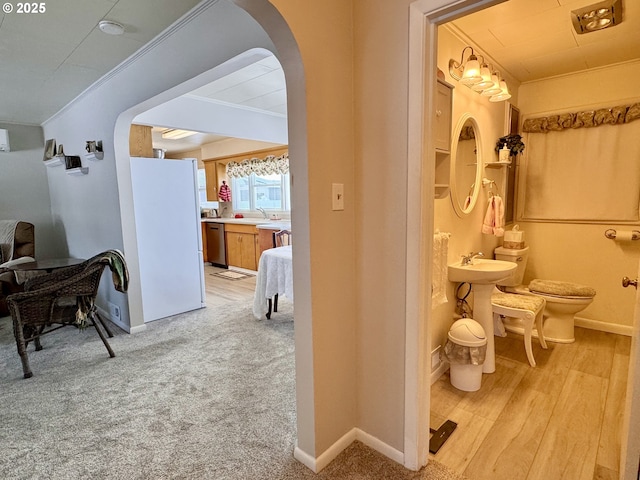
24 191
581 253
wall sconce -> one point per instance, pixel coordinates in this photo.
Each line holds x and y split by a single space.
479 77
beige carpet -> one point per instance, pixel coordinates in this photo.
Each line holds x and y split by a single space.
205 395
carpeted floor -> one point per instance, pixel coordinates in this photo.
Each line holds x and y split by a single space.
205 395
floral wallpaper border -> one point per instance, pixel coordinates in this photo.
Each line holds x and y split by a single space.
269 165
589 118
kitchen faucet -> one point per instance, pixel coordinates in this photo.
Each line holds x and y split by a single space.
264 214
468 259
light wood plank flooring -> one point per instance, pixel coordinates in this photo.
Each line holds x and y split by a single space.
220 291
559 420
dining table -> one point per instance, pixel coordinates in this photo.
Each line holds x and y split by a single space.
275 277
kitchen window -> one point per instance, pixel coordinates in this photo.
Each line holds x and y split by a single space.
270 192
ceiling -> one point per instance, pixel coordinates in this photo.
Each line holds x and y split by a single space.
534 39
48 59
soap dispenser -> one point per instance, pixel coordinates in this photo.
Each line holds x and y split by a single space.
504 154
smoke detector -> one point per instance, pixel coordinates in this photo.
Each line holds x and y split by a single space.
597 16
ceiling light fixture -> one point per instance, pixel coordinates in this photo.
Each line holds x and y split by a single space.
176 134
111 28
597 16
479 77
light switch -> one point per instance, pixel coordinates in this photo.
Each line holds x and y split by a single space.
337 196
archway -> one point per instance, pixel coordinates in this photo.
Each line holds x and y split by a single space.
269 24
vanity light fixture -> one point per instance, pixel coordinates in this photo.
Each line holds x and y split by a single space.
175 133
479 77
467 73
597 16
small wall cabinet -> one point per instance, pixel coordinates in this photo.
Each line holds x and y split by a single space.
442 138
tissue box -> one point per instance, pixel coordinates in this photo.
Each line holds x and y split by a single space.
513 245
513 238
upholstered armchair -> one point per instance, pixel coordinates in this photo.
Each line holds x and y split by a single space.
17 240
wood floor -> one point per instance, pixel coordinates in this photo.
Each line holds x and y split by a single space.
220 291
559 420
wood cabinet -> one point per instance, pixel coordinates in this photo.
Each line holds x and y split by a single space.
205 256
242 246
442 137
140 142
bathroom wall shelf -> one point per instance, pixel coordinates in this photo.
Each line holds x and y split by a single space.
441 190
55 161
78 171
497 164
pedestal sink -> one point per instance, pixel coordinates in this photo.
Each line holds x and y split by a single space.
483 274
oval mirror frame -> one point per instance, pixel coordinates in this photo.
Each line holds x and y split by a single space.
464 195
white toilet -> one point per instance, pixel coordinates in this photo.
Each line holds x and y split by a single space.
563 299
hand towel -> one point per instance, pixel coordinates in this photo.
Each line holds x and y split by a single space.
439 268
493 223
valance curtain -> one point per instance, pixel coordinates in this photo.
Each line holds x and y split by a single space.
583 174
269 165
588 118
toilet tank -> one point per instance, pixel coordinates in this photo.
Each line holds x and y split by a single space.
516 255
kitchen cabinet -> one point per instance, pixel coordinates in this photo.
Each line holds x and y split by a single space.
140 142
205 256
442 137
242 246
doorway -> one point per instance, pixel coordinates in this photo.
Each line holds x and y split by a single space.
422 73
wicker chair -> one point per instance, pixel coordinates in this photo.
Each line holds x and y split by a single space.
63 298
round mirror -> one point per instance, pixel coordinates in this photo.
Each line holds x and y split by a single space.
466 165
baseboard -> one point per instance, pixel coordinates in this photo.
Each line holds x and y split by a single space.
379 446
317 464
604 326
438 372
104 314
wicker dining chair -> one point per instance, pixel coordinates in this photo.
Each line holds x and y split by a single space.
65 297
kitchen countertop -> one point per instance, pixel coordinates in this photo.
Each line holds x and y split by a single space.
258 222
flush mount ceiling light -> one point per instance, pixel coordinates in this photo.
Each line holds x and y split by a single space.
111 28
479 77
175 133
597 16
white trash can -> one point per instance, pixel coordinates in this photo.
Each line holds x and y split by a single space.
466 350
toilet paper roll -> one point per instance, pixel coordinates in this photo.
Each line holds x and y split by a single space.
624 236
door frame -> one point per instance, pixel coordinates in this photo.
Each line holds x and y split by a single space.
424 18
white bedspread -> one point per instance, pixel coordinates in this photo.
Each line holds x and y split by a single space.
275 275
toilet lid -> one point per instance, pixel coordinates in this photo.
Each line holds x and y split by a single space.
560 289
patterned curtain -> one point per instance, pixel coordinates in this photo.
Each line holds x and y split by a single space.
260 166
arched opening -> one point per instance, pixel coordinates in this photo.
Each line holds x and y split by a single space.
269 23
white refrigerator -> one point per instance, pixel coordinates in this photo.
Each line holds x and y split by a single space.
167 212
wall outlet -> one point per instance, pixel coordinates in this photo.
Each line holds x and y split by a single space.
114 311
435 358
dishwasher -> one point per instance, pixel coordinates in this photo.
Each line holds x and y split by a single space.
215 244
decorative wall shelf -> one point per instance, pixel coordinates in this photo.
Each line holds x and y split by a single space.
55 161
497 164
78 171
94 156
